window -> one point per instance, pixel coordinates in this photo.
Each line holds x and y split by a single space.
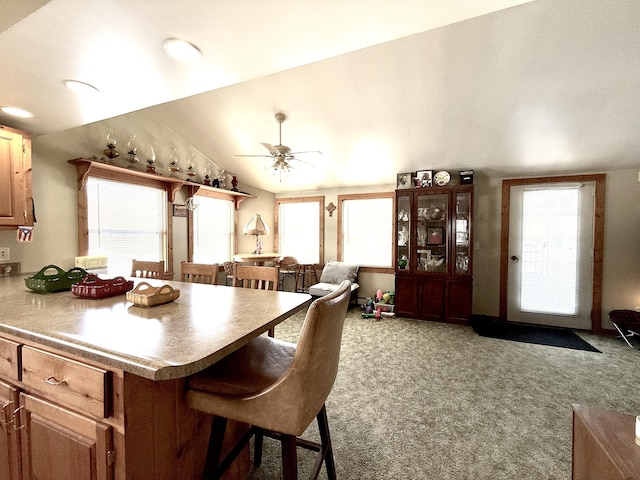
126 221
213 230
365 235
299 228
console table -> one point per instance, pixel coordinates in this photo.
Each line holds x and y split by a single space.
604 445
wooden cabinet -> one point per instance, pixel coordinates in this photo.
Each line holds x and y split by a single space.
58 443
433 253
10 465
16 206
53 417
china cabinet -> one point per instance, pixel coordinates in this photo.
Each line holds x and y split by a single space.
15 178
433 253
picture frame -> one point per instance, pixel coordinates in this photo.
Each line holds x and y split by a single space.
435 236
424 178
404 180
179 210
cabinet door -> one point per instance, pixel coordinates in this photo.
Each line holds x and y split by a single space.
9 438
432 254
406 298
15 175
432 298
462 241
459 300
58 444
404 258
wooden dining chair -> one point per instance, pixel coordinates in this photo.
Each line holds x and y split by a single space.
288 268
199 272
261 278
145 269
280 397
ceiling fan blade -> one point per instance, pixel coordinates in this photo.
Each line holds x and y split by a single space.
306 162
254 156
307 152
270 147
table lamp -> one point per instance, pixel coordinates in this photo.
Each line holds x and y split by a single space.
257 227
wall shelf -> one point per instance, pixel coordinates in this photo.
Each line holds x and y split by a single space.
171 184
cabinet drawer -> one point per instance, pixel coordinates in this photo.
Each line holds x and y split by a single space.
9 355
67 382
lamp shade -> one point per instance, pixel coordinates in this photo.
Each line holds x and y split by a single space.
256 226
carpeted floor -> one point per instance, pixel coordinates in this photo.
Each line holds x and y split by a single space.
426 400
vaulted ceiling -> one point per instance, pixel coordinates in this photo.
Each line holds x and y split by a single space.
504 87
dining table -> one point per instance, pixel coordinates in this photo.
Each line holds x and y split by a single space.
149 354
257 258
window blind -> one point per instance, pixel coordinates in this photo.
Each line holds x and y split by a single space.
213 230
367 236
126 222
299 231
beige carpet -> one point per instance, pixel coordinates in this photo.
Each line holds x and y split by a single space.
425 400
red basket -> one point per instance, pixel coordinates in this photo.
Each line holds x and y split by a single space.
93 287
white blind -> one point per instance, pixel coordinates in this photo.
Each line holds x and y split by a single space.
126 222
213 230
550 250
299 231
367 237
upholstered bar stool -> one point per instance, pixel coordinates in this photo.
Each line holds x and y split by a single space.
277 388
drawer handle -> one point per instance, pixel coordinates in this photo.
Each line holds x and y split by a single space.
54 381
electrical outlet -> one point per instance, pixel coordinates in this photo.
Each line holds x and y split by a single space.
4 254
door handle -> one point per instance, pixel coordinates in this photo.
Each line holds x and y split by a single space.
514 259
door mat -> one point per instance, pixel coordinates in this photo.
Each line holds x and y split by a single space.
554 337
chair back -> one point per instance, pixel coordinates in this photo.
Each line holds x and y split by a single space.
310 378
250 276
199 272
144 269
288 264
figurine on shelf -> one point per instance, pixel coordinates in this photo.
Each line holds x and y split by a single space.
234 184
221 180
216 183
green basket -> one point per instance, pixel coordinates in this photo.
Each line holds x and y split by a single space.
59 281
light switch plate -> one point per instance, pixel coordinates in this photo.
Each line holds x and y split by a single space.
4 254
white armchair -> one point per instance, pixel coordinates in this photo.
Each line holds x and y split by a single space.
333 274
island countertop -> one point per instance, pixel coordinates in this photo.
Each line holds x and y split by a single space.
174 340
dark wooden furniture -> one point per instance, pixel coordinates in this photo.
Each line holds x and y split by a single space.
604 445
627 322
433 228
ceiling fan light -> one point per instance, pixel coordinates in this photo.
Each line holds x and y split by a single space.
181 50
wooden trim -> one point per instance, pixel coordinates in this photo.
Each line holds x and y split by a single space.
598 238
320 200
88 168
236 197
364 196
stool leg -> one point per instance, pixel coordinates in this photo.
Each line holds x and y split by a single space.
323 426
289 457
257 446
218 427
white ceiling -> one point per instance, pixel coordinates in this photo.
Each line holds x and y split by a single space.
504 87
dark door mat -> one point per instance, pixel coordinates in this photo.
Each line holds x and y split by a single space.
555 337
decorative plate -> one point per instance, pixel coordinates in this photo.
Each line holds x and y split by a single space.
442 178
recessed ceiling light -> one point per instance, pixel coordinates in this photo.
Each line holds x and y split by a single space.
182 50
17 112
80 87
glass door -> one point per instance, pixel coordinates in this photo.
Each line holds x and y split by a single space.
462 234
431 233
403 253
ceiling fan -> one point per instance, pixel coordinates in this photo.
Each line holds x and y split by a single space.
282 155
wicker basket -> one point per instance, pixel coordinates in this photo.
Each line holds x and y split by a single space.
144 295
93 287
60 281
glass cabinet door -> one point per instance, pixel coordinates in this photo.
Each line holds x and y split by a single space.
403 255
431 233
462 234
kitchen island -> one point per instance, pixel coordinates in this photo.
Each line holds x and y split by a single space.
94 388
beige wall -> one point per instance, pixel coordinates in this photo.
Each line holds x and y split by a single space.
54 189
